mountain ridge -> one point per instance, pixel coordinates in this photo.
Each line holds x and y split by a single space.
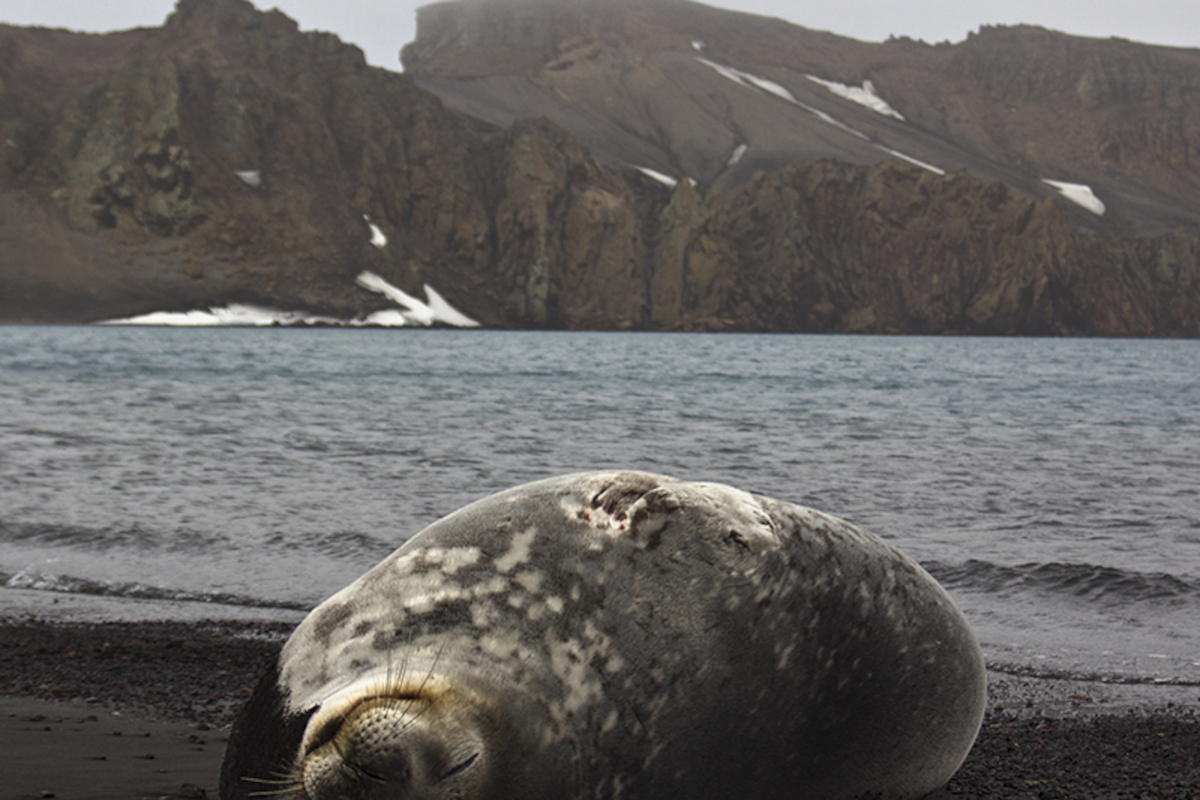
1016 104
227 157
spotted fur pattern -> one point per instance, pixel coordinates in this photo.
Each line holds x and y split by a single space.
655 638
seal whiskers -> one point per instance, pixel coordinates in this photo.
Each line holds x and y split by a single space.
401 736
288 787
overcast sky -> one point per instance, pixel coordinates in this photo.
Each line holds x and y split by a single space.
381 27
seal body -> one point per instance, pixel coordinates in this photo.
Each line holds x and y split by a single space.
621 635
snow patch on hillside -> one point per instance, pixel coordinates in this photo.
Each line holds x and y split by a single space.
444 312
863 95
821 115
771 87
234 314
1080 194
751 81
665 180
387 318
735 75
378 239
250 177
436 310
414 312
911 160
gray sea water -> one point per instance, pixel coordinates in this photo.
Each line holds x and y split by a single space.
1052 485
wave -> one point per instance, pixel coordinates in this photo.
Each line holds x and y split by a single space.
1082 676
350 545
1088 582
66 584
338 544
134 537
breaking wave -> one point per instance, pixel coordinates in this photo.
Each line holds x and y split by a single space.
66 584
1087 582
131 537
1021 670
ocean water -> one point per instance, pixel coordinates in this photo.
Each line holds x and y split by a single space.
1052 485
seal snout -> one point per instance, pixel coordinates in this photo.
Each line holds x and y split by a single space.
390 747
360 756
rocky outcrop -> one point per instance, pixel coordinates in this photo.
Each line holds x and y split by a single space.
569 249
138 168
825 246
227 157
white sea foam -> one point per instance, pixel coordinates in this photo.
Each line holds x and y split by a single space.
1080 194
863 95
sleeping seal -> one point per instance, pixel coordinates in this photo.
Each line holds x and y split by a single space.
620 635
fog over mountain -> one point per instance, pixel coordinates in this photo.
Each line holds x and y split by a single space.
381 27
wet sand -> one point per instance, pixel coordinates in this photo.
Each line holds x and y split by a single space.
72 750
141 710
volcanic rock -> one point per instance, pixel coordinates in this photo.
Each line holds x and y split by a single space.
604 165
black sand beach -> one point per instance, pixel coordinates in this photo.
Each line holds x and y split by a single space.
141 710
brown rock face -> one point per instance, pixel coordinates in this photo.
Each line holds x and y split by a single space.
568 242
120 190
825 246
136 165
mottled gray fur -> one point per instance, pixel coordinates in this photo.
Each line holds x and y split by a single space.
625 635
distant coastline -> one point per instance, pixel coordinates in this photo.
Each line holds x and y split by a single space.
806 183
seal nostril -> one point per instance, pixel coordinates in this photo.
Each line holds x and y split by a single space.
460 768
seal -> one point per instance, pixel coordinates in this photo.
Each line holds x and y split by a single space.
620 635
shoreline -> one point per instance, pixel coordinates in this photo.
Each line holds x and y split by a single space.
134 709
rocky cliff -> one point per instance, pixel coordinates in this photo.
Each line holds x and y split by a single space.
227 157
122 191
